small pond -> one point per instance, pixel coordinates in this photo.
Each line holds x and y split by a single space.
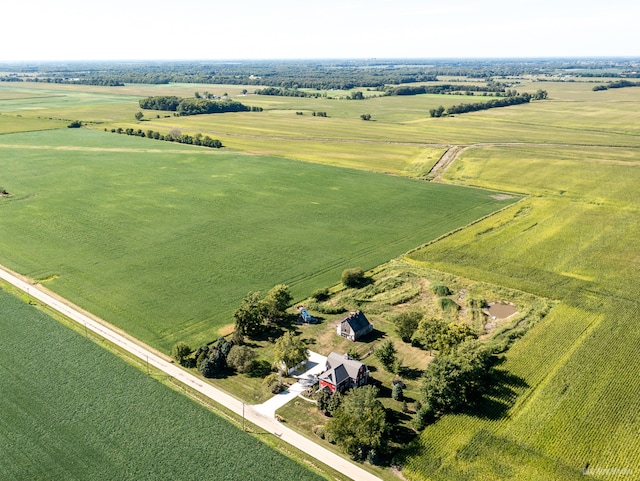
498 310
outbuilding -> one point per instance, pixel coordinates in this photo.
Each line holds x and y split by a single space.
354 326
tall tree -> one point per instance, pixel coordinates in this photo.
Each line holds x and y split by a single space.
289 351
457 380
359 425
386 354
406 324
241 358
180 352
276 302
249 316
429 333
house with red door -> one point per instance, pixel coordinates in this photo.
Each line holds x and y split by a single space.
343 373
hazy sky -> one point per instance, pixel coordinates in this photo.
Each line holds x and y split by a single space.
251 29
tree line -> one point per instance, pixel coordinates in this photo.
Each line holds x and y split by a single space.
318 74
517 99
173 136
616 85
286 92
496 87
194 106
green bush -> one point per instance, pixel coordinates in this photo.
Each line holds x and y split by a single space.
321 295
447 304
441 290
181 352
406 324
241 358
397 394
326 308
424 416
273 384
318 431
353 277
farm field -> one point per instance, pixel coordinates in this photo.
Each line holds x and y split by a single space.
160 238
72 410
164 240
574 115
574 240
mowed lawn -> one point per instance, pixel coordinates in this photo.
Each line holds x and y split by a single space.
73 411
164 240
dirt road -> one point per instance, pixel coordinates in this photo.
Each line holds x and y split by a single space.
145 353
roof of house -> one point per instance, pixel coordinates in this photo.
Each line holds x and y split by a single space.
340 368
335 376
356 320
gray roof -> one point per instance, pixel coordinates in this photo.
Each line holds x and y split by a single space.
357 321
335 376
340 368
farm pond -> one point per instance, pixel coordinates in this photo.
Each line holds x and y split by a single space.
499 310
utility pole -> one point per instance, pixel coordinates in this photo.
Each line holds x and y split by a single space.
242 416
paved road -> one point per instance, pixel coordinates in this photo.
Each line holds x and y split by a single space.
253 415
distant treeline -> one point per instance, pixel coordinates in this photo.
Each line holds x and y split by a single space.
444 89
491 104
194 106
314 74
494 87
285 92
173 136
616 85
104 82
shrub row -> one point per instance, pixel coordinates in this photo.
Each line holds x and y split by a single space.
198 139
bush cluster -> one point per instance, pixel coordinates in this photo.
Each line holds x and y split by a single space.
353 277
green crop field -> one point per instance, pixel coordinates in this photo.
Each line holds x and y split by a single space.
71 410
164 240
574 408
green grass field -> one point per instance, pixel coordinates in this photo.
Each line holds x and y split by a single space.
71 410
164 240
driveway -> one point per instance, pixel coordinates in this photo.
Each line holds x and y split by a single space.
314 366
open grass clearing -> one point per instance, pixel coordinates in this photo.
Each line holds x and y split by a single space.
526 248
164 245
12 93
17 123
604 175
409 160
82 413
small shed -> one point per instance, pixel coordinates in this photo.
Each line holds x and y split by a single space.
354 326
305 317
